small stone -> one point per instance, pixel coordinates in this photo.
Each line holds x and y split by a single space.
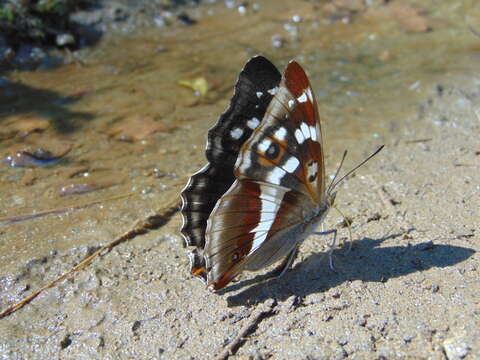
230 4
455 348
361 322
118 13
336 295
315 298
426 246
185 19
277 41
65 39
292 303
242 9
37 54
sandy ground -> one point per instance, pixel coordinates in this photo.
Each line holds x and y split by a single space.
409 288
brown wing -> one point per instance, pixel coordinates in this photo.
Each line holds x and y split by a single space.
297 82
249 215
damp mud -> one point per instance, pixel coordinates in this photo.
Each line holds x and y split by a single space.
110 140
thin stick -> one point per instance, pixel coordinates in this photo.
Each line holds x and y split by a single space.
418 141
151 222
13 219
262 312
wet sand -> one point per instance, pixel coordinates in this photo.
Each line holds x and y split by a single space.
408 289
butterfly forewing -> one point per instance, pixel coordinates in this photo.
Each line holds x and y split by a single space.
299 86
286 148
246 109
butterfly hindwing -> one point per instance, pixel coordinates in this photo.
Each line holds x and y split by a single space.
245 218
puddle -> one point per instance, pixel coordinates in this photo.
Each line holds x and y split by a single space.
134 130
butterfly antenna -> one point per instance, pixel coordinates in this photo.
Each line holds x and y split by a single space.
336 173
355 168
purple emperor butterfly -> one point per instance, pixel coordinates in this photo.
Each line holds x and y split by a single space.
263 190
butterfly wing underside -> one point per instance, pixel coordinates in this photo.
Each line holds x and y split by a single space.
280 180
225 139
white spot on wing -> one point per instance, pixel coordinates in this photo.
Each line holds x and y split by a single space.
291 102
259 94
305 130
280 134
273 91
244 162
275 176
253 123
299 136
291 165
264 145
236 133
302 98
312 170
313 133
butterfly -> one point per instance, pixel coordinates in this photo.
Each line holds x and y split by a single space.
263 189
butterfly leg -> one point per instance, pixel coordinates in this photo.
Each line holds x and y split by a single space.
281 269
330 245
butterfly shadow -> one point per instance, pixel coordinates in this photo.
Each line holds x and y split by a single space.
366 262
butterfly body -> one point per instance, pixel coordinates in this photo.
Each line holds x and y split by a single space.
263 191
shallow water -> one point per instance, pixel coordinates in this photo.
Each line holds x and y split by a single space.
134 131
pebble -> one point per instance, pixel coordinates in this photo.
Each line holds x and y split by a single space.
118 13
76 189
455 348
277 41
65 39
292 303
242 9
185 19
426 246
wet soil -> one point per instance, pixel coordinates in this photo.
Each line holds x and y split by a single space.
408 289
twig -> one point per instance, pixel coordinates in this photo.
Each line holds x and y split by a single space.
151 222
418 141
262 312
